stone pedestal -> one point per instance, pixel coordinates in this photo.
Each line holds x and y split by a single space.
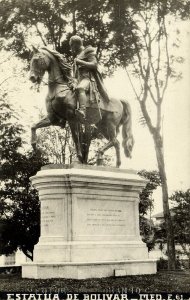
89 224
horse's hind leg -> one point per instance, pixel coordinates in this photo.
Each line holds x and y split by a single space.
113 143
86 141
74 126
117 150
110 133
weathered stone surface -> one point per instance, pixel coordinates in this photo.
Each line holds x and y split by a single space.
89 224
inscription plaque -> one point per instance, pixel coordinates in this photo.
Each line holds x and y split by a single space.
52 218
47 215
105 217
102 219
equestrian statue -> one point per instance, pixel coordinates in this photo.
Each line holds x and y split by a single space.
77 95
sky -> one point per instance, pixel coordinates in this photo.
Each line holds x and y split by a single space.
176 125
176 121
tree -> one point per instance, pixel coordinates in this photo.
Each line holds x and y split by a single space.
19 204
151 66
53 23
146 206
181 220
20 18
21 210
129 34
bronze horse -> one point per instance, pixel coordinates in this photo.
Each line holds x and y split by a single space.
61 105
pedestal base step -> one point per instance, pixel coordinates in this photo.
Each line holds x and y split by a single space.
88 270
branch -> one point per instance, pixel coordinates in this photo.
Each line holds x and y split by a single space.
159 51
149 50
132 85
144 76
146 86
74 17
147 117
8 58
168 62
7 79
138 56
166 80
142 104
40 34
137 72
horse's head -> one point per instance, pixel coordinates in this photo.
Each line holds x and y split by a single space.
38 65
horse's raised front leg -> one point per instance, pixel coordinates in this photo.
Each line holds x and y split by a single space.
45 122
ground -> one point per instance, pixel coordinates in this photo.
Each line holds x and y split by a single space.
165 281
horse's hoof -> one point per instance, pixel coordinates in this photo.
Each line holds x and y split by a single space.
118 165
78 162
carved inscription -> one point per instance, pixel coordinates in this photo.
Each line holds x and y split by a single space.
47 216
105 217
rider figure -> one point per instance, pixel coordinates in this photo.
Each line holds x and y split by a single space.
86 73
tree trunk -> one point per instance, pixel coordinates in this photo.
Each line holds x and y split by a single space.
26 252
74 17
167 216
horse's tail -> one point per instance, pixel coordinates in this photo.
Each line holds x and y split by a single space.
128 140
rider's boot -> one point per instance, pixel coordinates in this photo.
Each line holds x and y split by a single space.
81 111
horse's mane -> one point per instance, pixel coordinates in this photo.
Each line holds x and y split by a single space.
64 66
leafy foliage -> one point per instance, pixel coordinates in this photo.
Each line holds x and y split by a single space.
146 205
103 24
109 25
19 204
146 201
181 220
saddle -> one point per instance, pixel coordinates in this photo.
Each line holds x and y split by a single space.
96 104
